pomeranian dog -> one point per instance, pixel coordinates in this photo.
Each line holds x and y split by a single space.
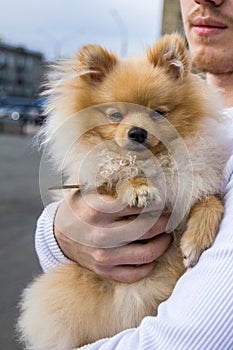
145 130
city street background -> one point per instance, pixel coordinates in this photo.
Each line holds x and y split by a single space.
20 205
47 31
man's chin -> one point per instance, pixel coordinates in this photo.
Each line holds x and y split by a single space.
213 63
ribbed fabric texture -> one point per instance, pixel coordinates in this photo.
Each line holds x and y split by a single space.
46 246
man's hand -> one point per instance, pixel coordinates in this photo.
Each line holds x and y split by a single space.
95 234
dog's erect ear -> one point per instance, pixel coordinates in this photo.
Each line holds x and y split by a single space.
170 52
95 62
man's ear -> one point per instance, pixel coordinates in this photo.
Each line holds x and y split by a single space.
170 52
95 63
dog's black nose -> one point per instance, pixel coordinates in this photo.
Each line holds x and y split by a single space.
137 135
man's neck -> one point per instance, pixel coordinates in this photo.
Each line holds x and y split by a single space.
224 82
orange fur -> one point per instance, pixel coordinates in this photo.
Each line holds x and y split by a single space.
71 306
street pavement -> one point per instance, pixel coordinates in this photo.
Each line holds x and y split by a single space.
20 206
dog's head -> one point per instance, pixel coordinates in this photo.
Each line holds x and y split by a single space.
128 97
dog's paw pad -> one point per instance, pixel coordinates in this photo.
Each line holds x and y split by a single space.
191 257
191 249
138 196
145 196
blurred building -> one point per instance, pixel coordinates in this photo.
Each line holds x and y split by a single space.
20 72
172 20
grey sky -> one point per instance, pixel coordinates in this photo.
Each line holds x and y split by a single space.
61 27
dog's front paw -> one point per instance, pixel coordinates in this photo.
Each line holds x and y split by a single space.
190 248
138 192
202 228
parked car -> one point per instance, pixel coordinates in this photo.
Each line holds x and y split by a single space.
41 117
18 114
22 114
4 111
32 114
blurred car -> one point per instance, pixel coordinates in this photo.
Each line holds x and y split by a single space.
40 104
4 111
32 114
20 114
41 117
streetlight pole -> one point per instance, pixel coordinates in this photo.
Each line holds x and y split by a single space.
123 31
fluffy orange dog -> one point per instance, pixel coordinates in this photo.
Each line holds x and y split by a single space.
153 129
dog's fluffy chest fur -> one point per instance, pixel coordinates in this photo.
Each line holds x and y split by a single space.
189 169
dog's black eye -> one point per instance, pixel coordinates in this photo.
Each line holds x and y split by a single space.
156 113
116 116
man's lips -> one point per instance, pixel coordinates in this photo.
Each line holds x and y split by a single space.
206 26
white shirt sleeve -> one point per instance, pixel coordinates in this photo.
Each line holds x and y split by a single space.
199 313
47 249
